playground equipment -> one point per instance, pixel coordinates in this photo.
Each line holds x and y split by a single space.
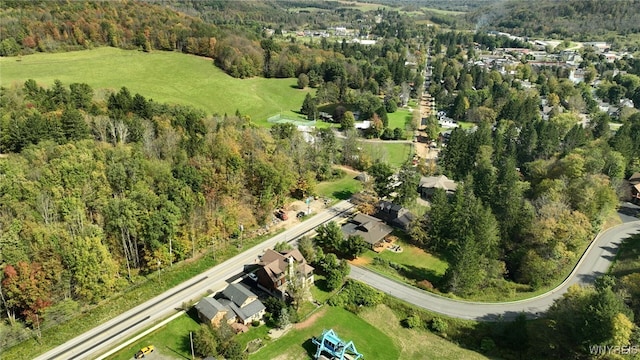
330 344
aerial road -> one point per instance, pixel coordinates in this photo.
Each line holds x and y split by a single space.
101 338
595 261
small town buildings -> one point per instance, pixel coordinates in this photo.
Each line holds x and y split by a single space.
372 230
277 270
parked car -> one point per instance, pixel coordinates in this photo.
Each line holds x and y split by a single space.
301 214
281 214
253 276
144 351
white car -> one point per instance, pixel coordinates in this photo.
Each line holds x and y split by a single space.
253 276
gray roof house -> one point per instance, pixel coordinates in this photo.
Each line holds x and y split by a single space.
235 304
243 303
372 230
211 311
394 215
428 184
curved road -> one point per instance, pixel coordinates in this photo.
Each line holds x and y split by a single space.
595 262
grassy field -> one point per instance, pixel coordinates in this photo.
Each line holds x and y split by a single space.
395 154
400 119
419 264
169 77
296 344
415 343
341 189
170 341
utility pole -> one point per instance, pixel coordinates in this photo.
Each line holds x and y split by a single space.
191 340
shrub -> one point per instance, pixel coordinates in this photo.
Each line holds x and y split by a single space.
425 285
412 321
355 294
439 325
255 323
487 345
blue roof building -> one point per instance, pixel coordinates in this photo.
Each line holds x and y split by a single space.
330 344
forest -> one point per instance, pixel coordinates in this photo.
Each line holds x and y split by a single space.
98 193
578 20
100 190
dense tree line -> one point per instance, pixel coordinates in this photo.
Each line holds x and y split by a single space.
96 193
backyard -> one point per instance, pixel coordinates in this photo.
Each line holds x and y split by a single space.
412 265
296 344
393 153
341 189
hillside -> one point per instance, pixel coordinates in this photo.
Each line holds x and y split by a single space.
161 75
577 19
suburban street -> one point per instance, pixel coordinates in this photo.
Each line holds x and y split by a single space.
594 263
98 340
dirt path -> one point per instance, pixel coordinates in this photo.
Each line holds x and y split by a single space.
310 320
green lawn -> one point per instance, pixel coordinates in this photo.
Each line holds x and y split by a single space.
400 119
415 343
395 154
296 344
341 189
169 77
171 340
419 264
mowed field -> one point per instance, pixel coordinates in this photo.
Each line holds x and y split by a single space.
167 77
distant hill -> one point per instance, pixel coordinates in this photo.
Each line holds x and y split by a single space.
576 19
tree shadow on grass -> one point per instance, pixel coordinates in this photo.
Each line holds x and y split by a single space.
342 194
310 347
419 274
322 285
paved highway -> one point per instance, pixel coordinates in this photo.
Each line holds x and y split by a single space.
595 262
109 334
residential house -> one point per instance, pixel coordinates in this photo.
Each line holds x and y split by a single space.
372 230
394 215
277 270
236 304
428 184
211 311
244 304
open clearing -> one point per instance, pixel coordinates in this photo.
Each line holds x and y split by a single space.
415 343
169 77
296 344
